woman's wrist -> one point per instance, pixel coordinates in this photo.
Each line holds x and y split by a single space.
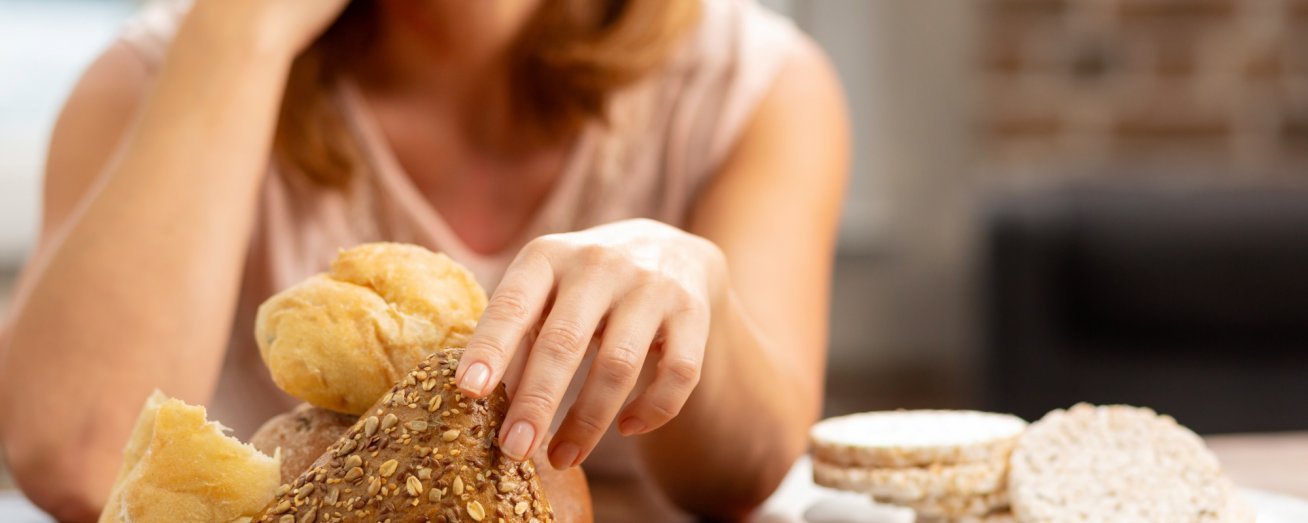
716 274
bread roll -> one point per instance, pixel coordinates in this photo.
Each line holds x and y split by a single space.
339 340
567 489
180 468
422 452
301 435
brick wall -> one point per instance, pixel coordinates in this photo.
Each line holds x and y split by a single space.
1166 87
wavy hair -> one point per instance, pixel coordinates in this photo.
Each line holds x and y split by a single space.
570 57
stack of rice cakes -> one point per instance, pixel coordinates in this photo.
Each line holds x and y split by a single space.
948 466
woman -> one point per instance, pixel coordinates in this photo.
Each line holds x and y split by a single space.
652 182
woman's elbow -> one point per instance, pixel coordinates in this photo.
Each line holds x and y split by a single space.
56 477
733 495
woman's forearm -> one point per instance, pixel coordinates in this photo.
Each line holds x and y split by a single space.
742 428
138 288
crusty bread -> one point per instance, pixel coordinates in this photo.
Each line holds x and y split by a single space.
422 451
301 435
179 467
914 438
909 484
339 340
305 433
1118 464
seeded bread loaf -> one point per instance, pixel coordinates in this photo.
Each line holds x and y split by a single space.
915 483
339 340
305 433
915 438
423 452
179 467
1119 464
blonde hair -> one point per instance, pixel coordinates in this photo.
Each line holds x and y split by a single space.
568 61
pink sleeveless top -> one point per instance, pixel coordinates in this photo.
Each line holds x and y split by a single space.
667 136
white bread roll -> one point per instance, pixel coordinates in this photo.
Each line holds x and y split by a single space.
180 468
340 340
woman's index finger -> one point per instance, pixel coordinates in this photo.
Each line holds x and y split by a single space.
514 307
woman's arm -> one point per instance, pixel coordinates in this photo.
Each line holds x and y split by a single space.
149 201
773 209
734 311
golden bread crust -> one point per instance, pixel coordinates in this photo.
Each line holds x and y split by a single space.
340 340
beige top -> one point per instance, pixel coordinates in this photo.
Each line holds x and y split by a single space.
667 135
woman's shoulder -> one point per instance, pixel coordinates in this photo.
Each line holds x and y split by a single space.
733 33
725 63
701 99
151 30
665 136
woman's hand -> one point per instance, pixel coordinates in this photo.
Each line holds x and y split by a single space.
639 287
284 26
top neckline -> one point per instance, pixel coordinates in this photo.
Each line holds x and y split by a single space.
392 176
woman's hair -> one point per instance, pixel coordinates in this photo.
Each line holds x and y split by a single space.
570 57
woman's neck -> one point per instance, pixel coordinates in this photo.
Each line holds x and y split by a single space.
455 53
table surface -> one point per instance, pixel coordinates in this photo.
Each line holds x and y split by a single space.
1276 462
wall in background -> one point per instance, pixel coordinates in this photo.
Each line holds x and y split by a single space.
44 46
1179 88
901 309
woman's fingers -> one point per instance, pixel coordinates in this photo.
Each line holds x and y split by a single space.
552 362
676 375
626 340
577 284
513 309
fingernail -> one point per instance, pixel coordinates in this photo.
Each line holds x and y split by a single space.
564 455
631 426
475 378
518 441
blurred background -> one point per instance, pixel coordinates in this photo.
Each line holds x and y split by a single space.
1052 200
